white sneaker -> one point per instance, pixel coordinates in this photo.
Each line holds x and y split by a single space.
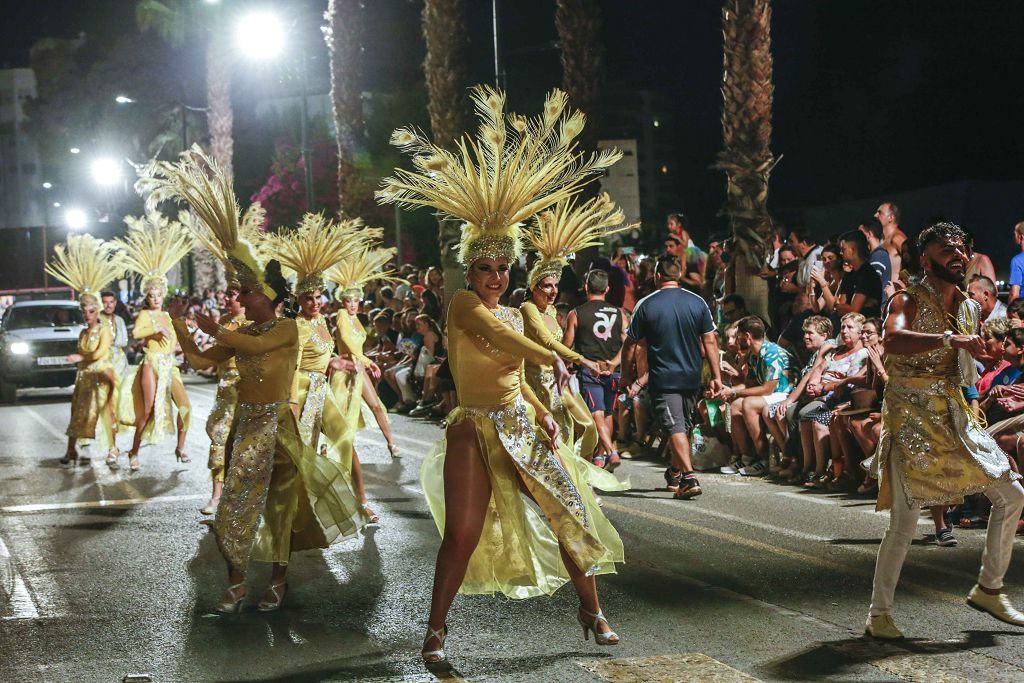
733 468
758 468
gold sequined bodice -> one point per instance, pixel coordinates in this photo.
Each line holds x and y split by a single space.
266 373
317 344
931 319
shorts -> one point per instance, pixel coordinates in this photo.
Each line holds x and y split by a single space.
774 401
599 392
677 411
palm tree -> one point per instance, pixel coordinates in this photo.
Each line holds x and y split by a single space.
579 34
444 30
746 159
176 21
343 35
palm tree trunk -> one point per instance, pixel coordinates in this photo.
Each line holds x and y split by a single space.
209 271
343 34
444 30
579 34
746 158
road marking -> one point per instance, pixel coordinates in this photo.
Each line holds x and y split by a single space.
681 667
749 522
807 498
16 596
812 560
123 502
34 414
39 576
836 502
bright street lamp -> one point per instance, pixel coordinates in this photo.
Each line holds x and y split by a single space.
259 35
47 185
123 99
56 205
106 172
75 219
74 150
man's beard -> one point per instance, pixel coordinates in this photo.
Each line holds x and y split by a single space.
945 274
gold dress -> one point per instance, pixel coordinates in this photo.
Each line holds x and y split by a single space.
319 410
159 355
279 496
117 358
91 411
518 552
928 431
567 407
218 423
347 387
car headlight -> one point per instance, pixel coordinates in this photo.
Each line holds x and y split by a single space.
19 348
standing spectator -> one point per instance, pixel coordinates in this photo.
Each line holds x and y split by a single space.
596 330
878 256
888 214
983 290
979 265
861 290
617 279
690 255
676 326
808 251
734 308
1017 263
767 384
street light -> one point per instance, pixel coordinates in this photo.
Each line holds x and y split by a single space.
47 185
123 99
260 35
56 205
75 219
74 150
106 172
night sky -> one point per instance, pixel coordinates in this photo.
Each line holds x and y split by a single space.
871 96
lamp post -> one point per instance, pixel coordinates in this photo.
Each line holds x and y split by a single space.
260 36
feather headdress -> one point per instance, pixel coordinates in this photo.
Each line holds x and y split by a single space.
569 227
315 246
352 274
153 245
86 264
514 168
199 181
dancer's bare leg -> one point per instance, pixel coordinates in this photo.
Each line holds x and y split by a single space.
377 408
147 381
180 399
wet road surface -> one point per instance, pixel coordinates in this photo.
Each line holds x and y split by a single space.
105 574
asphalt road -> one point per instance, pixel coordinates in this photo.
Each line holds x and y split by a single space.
104 574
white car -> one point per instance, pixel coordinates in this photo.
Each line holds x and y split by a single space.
35 340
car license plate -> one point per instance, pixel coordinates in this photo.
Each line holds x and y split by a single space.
52 360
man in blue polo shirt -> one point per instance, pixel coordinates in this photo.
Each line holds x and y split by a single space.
675 325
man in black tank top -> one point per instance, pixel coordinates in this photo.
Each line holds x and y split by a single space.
597 330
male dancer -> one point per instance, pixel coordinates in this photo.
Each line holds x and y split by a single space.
932 451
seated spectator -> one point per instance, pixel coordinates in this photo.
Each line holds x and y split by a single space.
983 290
994 333
826 280
766 384
734 308
978 265
1006 391
781 418
793 336
1015 312
827 387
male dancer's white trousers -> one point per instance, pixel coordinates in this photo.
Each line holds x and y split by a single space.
1007 503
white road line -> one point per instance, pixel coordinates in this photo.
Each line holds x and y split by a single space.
35 415
39 577
743 520
834 502
804 497
123 502
19 600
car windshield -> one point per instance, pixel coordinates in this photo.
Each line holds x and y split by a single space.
21 318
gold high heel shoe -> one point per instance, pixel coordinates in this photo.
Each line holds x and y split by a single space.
180 456
271 605
133 462
233 603
369 515
435 658
608 638
394 451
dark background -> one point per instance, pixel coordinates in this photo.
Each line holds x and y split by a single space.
872 98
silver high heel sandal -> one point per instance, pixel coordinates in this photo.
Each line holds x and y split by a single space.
270 606
233 605
394 450
435 658
112 455
609 638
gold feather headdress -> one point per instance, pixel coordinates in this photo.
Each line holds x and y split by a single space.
199 181
569 227
315 246
86 264
352 274
515 168
153 245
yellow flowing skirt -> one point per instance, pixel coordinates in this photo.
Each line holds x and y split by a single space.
91 417
518 553
573 416
122 378
218 424
169 392
279 496
319 412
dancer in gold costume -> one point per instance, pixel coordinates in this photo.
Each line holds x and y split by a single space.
152 247
118 360
86 264
354 390
502 446
316 246
279 496
558 233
